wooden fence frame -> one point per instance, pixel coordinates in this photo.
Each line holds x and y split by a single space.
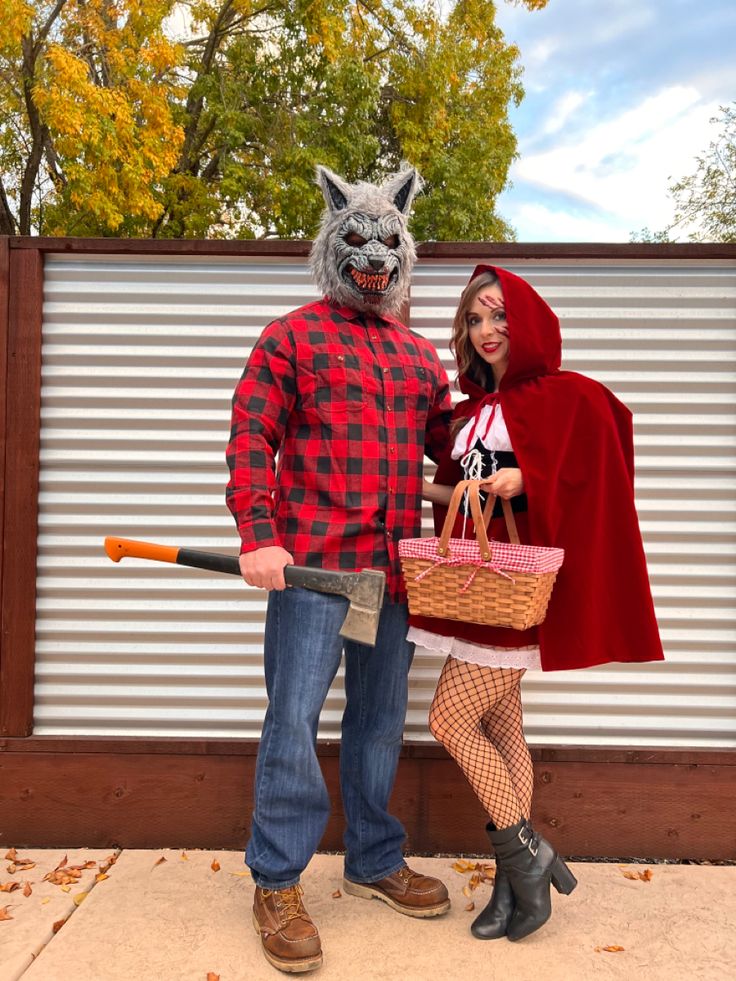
144 792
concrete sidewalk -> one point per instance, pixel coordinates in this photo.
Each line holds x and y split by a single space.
179 919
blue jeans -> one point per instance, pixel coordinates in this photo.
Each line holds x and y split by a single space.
302 651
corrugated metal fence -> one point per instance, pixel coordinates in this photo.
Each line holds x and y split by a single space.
140 357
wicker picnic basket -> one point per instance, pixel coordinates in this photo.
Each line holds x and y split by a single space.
504 584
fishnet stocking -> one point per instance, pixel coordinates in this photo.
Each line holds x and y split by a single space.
476 714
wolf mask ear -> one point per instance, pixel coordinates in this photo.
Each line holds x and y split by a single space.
335 190
402 187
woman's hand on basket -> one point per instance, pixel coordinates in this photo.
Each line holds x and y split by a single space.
506 483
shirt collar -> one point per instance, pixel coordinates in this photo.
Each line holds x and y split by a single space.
348 313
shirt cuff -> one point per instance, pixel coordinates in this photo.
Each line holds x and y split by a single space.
261 534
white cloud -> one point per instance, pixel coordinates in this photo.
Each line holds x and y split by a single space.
625 165
613 26
537 222
562 110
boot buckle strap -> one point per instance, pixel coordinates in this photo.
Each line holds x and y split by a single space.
528 839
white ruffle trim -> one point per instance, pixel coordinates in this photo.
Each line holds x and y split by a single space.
497 439
491 657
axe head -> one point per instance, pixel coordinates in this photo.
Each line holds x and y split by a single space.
366 599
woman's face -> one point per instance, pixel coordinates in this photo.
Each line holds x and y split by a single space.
488 329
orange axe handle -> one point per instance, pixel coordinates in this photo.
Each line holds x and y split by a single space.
119 548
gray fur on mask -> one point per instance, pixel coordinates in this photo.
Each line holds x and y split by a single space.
363 254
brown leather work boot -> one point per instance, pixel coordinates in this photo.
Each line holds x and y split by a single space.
406 891
289 938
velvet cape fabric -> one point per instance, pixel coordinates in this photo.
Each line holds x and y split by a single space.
573 441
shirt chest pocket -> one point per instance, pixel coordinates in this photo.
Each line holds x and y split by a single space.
411 387
333 385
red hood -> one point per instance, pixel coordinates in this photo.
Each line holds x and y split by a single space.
535 344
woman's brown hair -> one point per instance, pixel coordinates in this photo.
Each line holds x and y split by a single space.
468 362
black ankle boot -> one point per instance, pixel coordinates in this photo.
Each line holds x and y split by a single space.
494 920
531 864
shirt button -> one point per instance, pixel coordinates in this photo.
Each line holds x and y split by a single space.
385 371
392 449
389 407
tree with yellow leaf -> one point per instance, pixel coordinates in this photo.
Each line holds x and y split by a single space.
87 132
118 119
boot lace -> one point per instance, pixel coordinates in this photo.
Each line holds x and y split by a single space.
406 874
288 901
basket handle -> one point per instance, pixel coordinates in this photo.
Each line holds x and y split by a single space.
480 520
508 514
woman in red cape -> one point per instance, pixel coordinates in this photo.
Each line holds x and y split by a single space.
560 447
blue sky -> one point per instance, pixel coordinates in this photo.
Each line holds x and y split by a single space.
619 94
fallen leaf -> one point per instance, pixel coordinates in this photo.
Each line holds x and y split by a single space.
215 865
184 857
101 876
463 865
337 894
11 854
470 907
63 862
466 891
110 860
212 977
58 925
240 874
11 869
64 876
613 948
66 888
162 859
80 898
9 886
4 915
27 889
46 899
480 872
644 876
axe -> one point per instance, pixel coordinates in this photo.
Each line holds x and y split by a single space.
363 589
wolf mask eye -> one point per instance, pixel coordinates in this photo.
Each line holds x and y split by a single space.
352 238
392 242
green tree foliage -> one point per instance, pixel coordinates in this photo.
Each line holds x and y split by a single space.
87 134
706 199
109 127
705 202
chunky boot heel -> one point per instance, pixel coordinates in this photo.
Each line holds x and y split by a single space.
532 866
562 878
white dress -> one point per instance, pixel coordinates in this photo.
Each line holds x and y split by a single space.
493 657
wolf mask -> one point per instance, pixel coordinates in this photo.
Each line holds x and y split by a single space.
363 255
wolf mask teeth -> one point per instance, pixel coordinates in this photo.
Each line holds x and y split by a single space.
363 255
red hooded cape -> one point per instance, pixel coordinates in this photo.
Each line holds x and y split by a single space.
573 442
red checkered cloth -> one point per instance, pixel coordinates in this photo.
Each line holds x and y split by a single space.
505 556
349 404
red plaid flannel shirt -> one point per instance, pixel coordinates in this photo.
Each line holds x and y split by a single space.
331 421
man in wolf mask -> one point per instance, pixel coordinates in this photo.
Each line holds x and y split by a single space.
351 400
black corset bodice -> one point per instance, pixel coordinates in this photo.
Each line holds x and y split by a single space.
503 459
